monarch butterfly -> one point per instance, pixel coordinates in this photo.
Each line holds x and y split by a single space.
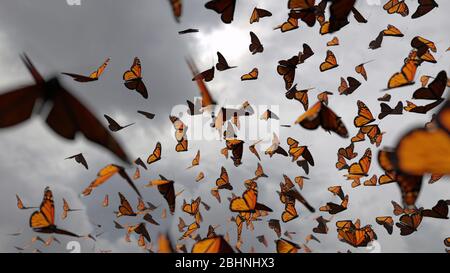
333 42
177 8
371 181
189 30
337 190
363 165
286 246
322 225
269 115
137 174
341 164
435 89
320 114
180 134
113 125
424 7
329 63
305 54
20 204
262 240
255 45
79 158
166 189
196 160
347 89
43 220
139 162
66 209
223 7
290 24
156 155
323 97
421 109
392 31
275 148
409 223
105 202
440 210
354 235
289 213
216 194
333 208
299 95
364 116
339 11
299 180
274 224
212 245
237 148
296 151
223 181
361 70
207 99
253 149
252 75
286 68
133 78
259 171
396 6
405 76
248 202
259 13
193 207
387 222
125 208
67 115
376 43
222 63
387 110
106 173
146 114
92 77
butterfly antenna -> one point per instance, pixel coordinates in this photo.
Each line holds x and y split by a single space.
31 68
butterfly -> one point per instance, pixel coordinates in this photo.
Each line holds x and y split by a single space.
133 78
329 63
337 190
355 235
43 220
262 240
92 77
212 245
339 11
376 43
299 95
252 75
341 164
106 173
253 149
396 6
299 180
385 97
364 116
79 158
222 63
166 189
156 155
348 152
237 148
269 115
189 30
20 204
286 68
323 97
333 42
371 181
320 114
259 171
347 89
296 151
409 223
113 125
259 13
66 209
274 224
196 160
146 114
177 8
223 181
275 148
363 165
286 246
435 89
440 210
137 174
180 134
125 208
387 222
67 115
305 54
290 24
392 31
361 70
207 75
322 225
424 7
207 99
422 109
223 7
255 45
387 110
248 202
333 208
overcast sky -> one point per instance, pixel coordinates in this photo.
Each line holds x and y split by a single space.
77 39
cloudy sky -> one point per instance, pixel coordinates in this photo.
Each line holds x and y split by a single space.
62 38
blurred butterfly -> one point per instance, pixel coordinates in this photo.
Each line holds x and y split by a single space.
212 245
237 148
189 30
105 174
133 78
299 180
20 204
252 75
259 13
67 116
255 45
79 158
320 114
207 99
113 125
355 235
329 63
323 97
92 77
262 240
177 8
285 246
424 7
223 7
222 63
